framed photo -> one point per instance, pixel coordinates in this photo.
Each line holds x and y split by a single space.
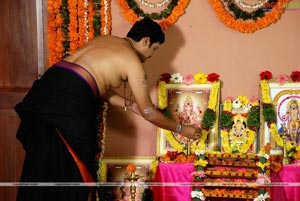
286 101
113 170
186 104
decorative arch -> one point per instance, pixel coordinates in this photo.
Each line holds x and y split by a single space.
166 17
248 18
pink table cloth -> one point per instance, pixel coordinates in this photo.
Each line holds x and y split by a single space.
174 181
286 184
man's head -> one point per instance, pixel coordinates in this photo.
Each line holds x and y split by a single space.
147 28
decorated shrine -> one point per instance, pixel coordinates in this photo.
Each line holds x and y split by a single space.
247 145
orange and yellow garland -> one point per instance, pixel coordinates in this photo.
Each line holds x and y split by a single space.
247 26
165 23
80 28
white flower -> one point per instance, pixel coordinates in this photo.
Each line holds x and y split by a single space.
263 154
267 156
248 107
198 194
200 152
262 197
237 103
176 78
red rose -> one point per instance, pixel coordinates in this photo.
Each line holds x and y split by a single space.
266 75
165 77
295 76
212 77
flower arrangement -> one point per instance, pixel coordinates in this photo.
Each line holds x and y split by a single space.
101 135
131 168
199 174
235 114
263 176
178 157
263 14
269 113
167 17
209 116
72 23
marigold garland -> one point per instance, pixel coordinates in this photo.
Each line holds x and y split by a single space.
248 26
105 17
270 119
71 23
166 19
101 138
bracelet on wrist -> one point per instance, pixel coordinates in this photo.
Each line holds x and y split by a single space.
178 128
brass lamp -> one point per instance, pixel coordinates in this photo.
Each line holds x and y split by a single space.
285 135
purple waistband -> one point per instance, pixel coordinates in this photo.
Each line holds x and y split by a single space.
82 72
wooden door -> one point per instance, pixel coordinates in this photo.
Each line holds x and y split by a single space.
21 61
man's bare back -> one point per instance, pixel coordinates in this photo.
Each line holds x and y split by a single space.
108 59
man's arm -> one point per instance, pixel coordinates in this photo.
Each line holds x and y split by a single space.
139 85
116 100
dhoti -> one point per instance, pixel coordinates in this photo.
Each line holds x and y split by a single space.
61 100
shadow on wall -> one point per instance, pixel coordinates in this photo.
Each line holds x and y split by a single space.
162 60
158 64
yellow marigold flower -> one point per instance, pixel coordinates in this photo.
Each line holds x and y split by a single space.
256 103
201 162
162 95
263 165
200 78
244 100
227 105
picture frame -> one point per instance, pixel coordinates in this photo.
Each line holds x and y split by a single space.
286 101
181 97
113 170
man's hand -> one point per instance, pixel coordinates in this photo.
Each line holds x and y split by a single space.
191 132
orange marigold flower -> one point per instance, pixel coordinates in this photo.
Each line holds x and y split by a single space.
131 168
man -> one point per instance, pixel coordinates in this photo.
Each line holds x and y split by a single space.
58 127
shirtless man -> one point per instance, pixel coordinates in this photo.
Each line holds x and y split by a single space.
112 60
58 128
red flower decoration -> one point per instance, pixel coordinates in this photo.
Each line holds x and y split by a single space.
266 75
212 77
165 77
295 76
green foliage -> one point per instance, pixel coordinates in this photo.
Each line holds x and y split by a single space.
66 21
209 119
269 113
244 15
225 120
253 121
97 18
155 16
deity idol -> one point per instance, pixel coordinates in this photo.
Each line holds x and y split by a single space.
293 120
188 115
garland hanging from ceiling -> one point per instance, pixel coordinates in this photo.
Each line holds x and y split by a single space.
72 23
166 18
236 15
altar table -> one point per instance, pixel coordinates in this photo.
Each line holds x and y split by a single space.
288 188
173 176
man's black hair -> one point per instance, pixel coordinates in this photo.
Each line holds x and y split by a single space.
147 28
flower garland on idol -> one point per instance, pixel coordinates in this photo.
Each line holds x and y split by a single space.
166 18
268 107
72 23
262 14
209 116
251 116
